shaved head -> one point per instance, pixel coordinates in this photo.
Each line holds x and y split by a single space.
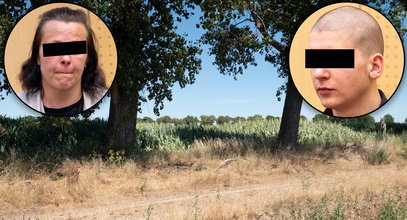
359 25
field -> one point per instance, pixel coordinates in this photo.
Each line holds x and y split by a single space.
229 171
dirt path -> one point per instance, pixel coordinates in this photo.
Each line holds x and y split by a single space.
227 199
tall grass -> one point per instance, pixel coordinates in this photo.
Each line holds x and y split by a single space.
48 140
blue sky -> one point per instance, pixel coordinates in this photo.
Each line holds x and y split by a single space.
216 94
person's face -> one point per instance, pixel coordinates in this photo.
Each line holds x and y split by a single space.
62 72
339 88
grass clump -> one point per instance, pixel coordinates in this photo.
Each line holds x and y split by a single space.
378 156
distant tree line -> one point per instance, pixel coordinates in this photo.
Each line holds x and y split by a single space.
206 120
366 123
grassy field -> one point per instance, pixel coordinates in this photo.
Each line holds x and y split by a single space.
214 172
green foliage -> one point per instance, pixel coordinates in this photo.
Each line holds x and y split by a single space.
255 118
221 120
388 205
303 118
115 158
393 207
388 119
164 119
50 140
237 119
325 133
378 156
364 123
207 120
270 117
191 120
146 120
320 117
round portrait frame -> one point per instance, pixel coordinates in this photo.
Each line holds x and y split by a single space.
394 56
19 42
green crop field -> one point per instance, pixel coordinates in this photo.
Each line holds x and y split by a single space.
48 140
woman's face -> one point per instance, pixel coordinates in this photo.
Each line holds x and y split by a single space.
61 73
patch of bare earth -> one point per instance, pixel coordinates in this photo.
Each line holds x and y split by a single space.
192 184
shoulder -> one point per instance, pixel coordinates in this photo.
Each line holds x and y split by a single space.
91 100
32 99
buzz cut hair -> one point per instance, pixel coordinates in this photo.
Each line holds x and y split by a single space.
361 27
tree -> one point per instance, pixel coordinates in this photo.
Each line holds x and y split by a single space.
364 123
177 121
146 120
10 13
152 58
255 118
270 117
237 30
164 119
223 120
237 119
320 117
207 120
191 120
388 119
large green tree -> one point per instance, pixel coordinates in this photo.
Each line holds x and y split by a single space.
152 58
238 30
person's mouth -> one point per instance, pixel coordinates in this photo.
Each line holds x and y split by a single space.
325 90
64 72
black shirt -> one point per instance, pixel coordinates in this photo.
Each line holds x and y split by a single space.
71 110
329 111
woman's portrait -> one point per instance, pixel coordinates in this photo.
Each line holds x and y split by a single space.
62 75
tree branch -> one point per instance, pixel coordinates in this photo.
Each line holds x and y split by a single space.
259 23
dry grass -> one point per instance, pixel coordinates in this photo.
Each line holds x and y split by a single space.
214 179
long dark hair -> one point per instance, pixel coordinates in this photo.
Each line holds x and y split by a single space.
92 77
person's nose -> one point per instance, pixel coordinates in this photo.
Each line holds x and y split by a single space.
65 59
320 73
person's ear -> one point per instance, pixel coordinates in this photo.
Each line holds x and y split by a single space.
376 65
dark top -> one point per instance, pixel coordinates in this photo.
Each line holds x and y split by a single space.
73 109
329 111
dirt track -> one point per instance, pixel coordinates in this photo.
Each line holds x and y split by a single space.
229 198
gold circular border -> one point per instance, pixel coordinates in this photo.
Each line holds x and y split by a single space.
18 47
393 55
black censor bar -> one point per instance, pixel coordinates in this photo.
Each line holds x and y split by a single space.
330 58
64 48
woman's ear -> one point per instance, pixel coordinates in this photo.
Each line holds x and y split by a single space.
377 65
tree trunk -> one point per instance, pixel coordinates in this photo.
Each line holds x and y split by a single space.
121 126
287 137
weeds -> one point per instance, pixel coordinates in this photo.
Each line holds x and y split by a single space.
378 156
115 158
195 208
149 211
337 206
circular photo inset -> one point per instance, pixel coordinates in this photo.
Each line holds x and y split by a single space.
346 60
60 59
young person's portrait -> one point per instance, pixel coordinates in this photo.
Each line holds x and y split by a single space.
63 74
345 57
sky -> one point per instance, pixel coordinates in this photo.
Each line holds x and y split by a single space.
252 93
